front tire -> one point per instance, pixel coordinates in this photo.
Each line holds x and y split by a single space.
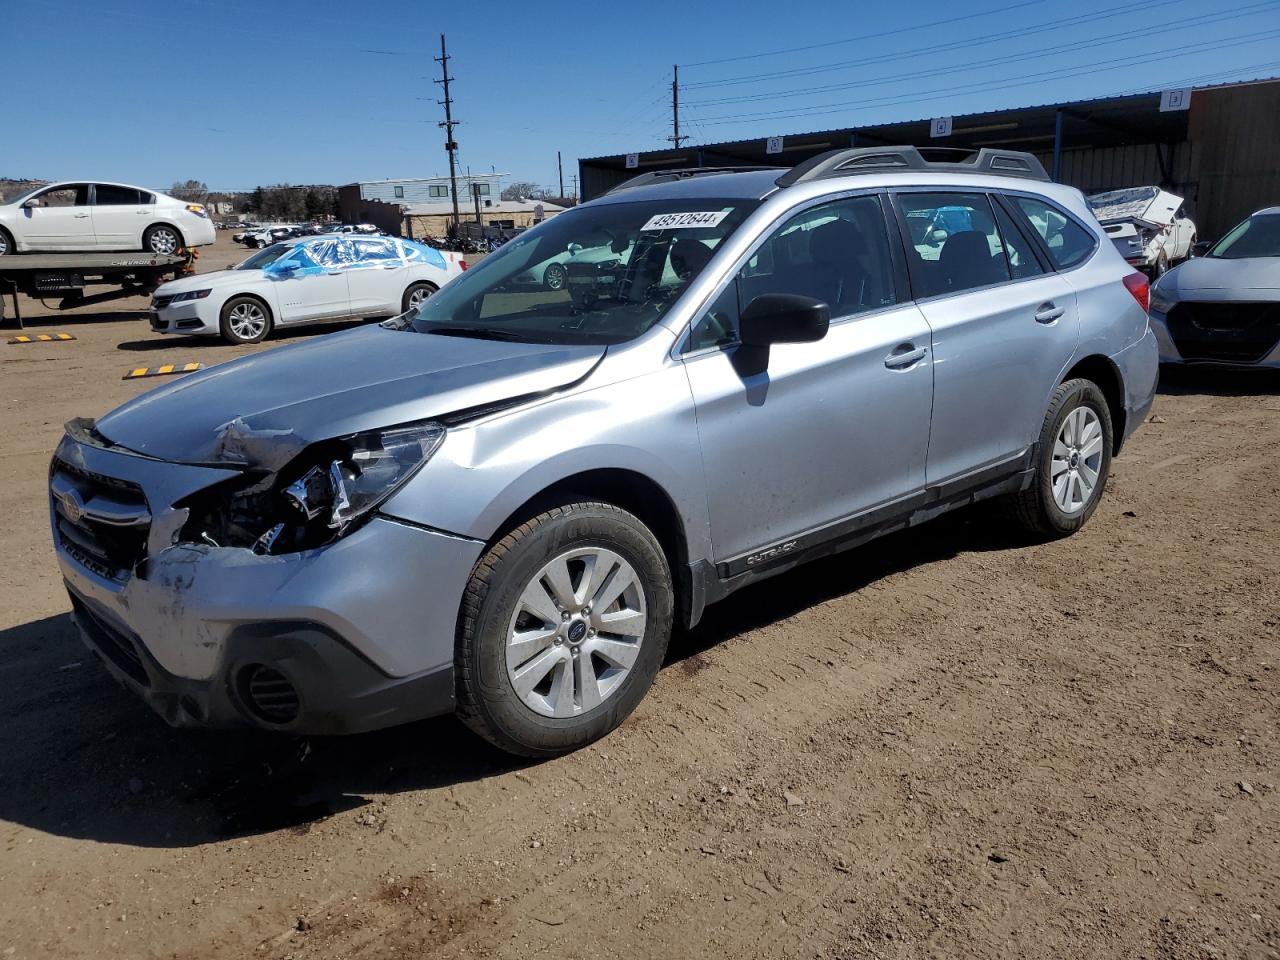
564 625
6 243
162 240
416 294
553 278
245 320
1073 460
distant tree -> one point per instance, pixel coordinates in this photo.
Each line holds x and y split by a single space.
521 190
192 191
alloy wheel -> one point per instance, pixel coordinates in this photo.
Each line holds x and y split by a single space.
248 320
163 241
576 632
1077 460
4 244
416 297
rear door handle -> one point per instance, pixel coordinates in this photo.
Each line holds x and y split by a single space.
904 355
1049 313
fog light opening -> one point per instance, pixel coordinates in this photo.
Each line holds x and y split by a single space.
268 694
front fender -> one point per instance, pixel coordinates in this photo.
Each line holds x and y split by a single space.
485 471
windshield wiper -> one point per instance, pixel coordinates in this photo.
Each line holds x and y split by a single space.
480 333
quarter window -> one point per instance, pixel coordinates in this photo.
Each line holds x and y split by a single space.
954 242
1022 257
1068 242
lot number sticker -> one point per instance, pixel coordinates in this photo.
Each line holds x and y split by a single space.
681 221
773 145
940 127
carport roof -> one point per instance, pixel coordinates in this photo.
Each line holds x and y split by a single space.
1107 121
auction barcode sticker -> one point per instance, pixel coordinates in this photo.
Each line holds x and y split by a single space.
678 221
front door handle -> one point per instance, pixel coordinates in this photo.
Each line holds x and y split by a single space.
904 355
1048 312
79 216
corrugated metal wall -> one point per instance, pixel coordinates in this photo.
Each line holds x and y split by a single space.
1237 135
1094 169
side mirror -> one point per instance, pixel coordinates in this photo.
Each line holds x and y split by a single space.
937 236
783 318
1201 247
31 204
575 248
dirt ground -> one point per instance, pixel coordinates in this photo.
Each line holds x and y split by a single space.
944 744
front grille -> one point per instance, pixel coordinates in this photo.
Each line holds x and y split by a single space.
1237 332
108 549
110 642
161 302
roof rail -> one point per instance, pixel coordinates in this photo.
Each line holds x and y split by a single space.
682 173
842 163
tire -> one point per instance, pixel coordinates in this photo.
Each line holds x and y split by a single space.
6 243
162 239
1161 266
236 320
1041 509
416 293
553 278
535 719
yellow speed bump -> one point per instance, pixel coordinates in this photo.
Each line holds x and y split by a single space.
42 338
162 371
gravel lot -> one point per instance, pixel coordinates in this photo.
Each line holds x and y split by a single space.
947 744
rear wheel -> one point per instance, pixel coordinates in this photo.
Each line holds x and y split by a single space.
162 239
1073 460
564 625
245 320
6 242
416 294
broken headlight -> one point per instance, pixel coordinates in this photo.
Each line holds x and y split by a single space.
356 474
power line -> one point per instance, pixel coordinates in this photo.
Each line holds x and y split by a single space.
981 86
868 36
1043 27
1216 17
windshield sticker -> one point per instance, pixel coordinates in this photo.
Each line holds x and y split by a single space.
683 221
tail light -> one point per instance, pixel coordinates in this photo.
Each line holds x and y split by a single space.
1138 285
462 264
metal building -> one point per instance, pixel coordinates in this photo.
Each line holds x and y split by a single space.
1219 148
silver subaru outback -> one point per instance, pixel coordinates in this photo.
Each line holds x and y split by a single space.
503 502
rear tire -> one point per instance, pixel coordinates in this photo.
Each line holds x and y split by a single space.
245 320
416 294
162 240
1073 460
580 672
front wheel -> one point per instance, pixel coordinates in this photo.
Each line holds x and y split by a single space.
416 294
553 277
1073 460
245 320
6 242
565 623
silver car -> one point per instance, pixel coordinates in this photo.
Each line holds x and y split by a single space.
1224 307
502 502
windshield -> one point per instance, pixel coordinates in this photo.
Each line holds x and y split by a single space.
265 256
596 274
1259 236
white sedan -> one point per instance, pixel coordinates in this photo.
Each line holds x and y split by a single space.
87 216
305 280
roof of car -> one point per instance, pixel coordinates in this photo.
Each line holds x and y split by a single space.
1266 212
750 185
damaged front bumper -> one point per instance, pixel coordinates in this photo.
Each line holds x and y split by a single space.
354 635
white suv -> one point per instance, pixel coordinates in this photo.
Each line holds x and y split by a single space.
76 215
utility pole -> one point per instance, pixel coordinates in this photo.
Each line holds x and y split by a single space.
560 167
450 145
675 137
574 178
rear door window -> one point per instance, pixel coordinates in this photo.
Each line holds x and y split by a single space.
109 195
953 242
1069 243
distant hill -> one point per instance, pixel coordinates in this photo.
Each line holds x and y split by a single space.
13 186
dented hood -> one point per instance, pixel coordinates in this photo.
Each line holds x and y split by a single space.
264 409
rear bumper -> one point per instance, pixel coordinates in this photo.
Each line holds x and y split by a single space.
1139 366
198 232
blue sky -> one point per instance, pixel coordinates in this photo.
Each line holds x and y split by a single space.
237 94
